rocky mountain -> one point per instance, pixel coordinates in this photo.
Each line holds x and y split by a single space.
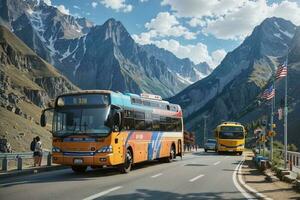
25 76
28 83
238 80
86 53
43 28
185 69
113 60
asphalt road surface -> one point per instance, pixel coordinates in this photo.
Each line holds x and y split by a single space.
197 176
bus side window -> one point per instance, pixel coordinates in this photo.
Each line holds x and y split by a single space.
148 121
179 124
163 123
155 122
139 120
128 120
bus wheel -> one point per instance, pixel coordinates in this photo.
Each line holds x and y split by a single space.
79 169
240 153
126 167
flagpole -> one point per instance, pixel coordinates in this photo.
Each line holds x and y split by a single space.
285 115
272 121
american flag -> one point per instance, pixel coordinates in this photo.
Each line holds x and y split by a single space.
281 71
269 93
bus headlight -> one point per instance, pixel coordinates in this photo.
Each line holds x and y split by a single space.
105 149
56 150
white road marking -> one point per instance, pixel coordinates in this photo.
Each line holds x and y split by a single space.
216 163
248 187
100 194
197 177
237 177
236 184
156 175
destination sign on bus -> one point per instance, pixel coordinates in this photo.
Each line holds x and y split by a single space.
83 99
231 129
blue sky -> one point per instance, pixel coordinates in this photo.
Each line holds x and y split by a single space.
202 30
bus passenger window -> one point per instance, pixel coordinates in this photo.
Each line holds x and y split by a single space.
148 125
129 124
139 124
156 125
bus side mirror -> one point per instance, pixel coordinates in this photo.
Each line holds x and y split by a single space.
117 121
43 120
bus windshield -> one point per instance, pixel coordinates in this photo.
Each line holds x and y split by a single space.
231 135
80 120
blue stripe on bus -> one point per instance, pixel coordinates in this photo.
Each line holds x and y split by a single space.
154 145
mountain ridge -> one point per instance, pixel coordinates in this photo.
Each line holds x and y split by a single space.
239 78
51 35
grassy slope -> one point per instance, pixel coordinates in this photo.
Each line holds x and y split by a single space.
12 125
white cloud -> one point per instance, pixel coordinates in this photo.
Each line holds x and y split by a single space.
201 8
194 22
142 1
94 4
76 7
196 53
165 24
232 19
48 2
287 10
145 38
217 56
63 9
118 5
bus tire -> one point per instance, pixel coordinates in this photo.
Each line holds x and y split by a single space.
240 153
79 169
126 167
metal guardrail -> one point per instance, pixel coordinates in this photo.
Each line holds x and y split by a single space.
294 161
19 157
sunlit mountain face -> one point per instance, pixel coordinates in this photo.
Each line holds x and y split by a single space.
232 90
86 53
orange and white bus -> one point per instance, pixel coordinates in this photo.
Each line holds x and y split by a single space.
104 128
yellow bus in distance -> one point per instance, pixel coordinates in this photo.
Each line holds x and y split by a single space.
230 137
99 128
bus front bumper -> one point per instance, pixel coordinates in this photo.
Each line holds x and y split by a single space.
237 149
86 160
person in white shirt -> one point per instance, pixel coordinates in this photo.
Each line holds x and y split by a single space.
38 151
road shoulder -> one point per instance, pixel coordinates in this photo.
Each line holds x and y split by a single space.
256 180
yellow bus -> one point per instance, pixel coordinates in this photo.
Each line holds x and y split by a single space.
230 137
100 128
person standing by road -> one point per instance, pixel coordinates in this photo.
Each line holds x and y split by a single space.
38 151
35 154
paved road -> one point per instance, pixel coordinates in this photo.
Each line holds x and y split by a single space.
198 176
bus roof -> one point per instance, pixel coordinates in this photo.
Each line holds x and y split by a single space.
134 101
229 124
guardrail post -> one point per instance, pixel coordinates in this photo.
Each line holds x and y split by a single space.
49 159
294 159
20 163
4 164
